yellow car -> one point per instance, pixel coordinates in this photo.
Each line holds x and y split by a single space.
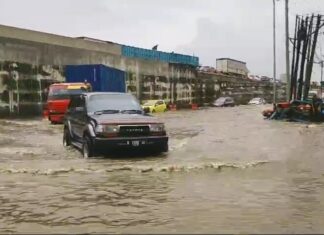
155 106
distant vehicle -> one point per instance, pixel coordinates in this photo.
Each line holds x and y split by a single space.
265 79
155 106
207 69
101 121
59 98
224 102
4 107
257 101
296 110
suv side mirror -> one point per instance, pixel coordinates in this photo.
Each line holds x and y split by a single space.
79 109
146 110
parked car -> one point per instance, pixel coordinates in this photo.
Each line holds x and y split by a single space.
155 106
224 102
4 107
59 98
101 121
257 101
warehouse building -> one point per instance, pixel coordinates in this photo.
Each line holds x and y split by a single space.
39 58
231 66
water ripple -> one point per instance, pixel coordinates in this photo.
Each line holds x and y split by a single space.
135 168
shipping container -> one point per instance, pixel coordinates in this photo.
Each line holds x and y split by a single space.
101 77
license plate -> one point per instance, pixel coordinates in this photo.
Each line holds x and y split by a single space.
136 143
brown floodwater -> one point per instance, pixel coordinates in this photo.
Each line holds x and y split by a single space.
228 171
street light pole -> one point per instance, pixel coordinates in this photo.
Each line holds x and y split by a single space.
321 79
287 50
274 53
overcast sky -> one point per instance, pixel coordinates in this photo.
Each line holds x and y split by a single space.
240 29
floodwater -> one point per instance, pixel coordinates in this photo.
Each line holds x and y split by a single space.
228 171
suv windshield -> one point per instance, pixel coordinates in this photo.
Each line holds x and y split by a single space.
112 102
63 93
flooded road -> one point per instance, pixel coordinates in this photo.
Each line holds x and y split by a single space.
227 171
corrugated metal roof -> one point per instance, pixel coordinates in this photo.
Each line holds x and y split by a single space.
149 54
231 60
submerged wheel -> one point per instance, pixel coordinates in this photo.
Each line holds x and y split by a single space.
164 148
66 137
87 148
50 119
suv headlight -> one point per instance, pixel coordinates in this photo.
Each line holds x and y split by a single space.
107 128
157 128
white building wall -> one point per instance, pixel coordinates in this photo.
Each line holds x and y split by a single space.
231 66
221 65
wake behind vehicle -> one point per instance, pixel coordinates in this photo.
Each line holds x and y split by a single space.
155 106
59 98
224 102
103 121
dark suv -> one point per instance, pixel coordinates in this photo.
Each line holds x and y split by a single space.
105 121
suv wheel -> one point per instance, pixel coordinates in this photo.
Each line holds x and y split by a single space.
87 149
164 148
66 137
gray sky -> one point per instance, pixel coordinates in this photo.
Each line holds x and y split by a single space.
240 29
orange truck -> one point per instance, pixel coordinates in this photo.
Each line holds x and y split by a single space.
58 99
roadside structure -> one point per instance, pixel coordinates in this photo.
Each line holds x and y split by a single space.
30 61
232 66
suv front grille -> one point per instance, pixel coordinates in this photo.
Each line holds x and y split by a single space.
134 131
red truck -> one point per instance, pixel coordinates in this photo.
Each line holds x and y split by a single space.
59 98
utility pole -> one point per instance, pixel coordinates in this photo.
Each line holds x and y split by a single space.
297 51
306 36
309 67
287 50
321 79
303 37
274 53
292 83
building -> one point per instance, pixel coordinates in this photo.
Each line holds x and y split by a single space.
227 65
41 57
31 60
